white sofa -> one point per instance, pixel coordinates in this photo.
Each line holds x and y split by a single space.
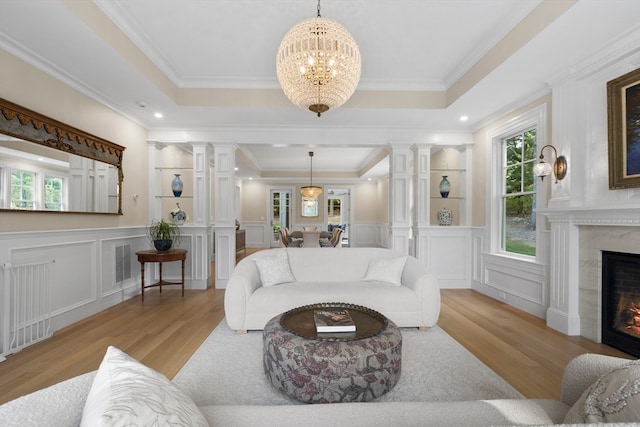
331 275
62 405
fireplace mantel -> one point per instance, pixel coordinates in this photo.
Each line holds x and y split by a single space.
577 235
591 216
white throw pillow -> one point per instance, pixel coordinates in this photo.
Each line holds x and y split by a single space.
275 270
613 398
127 393
387 270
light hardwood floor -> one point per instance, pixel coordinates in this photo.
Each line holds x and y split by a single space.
165 330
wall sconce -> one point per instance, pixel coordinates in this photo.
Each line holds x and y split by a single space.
543 168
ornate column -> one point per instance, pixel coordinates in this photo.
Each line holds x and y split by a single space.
400 183
202 244
225 215
422 156
201 183
155 180
563 313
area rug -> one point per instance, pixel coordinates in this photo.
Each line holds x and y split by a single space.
227 369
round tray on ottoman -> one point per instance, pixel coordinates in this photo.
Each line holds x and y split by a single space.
314 370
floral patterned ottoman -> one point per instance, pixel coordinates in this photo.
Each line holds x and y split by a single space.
320 371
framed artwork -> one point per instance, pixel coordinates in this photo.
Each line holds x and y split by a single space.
309 207
623 102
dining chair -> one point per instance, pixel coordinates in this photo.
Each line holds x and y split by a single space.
336 237
284 238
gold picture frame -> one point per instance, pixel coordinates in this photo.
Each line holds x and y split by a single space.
623 110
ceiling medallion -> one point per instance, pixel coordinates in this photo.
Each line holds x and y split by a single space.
318 64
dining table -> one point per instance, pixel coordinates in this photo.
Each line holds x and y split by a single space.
310 239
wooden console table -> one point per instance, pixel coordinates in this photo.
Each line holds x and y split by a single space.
160 257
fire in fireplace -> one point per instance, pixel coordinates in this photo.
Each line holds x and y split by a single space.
621 301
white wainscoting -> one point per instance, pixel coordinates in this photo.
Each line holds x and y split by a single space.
519 283
258 234
446 252
368 234
83 276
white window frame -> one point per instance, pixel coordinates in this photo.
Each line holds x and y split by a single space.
7 169
64 205
535 118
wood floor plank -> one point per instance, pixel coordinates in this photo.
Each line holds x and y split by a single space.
165 330
516 345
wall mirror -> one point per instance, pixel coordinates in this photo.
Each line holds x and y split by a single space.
48 166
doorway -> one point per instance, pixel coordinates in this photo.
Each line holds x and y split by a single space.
339 211
280 208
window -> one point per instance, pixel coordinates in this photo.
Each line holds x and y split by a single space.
280 206
334 211
23 190
515 229
518 227
53 192
31 191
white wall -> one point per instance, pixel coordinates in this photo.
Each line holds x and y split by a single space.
25 85
582 201
82 278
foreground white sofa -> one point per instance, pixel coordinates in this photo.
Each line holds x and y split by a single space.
62 404
331 275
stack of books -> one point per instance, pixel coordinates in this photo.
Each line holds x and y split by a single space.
333 321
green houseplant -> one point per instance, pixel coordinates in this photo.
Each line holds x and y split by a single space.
163 235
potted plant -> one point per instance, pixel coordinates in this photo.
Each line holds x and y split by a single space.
163 235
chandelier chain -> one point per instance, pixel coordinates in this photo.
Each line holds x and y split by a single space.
311 166
319 9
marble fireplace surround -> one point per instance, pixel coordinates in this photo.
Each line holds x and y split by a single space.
594 240
576 280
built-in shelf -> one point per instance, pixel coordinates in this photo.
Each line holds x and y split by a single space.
446 198
448 170
173 197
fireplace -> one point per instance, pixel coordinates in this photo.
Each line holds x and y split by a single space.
621 301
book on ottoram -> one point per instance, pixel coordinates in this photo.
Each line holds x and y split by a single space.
333 321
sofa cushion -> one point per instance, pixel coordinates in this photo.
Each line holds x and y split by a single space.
333 265
614 397
387 270
59 405
275 270
126 392
375 295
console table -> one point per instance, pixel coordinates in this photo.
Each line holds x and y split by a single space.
160 257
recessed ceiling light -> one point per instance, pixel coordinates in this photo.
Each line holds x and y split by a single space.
158 115
235 169
368 179
464 118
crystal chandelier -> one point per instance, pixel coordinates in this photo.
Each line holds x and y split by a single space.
311 192
318 64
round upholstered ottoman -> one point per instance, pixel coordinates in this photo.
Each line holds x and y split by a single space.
326 371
